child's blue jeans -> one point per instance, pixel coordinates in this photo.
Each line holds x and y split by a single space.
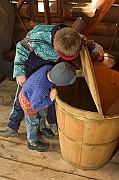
31 128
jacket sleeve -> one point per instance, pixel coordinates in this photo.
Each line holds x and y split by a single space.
23 49
96 50
40 103
39 98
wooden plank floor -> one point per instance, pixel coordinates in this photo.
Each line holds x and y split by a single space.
18 162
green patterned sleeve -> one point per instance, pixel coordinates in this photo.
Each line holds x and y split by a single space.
21 57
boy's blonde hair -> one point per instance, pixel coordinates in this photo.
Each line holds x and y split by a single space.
67 41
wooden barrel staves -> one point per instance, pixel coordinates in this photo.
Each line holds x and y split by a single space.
87 138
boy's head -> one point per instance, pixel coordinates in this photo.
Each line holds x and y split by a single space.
63 74
67 43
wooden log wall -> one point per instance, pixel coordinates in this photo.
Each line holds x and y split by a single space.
106 30
102 34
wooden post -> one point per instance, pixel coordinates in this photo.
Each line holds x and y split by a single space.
47 12
85 25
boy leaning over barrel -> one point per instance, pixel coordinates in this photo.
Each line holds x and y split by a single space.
38 92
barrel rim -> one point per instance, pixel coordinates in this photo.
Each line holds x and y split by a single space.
83 114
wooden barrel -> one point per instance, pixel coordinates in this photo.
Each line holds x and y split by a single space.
87 139
8 59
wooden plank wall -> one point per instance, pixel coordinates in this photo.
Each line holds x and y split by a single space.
102 34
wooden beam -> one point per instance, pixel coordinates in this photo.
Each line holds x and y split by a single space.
86 25
20 3
83 9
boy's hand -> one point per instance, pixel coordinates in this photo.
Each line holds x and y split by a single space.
20 80
89 42
53 94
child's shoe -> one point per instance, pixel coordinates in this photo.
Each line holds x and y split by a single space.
38 146
54 128
46 132
8 132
